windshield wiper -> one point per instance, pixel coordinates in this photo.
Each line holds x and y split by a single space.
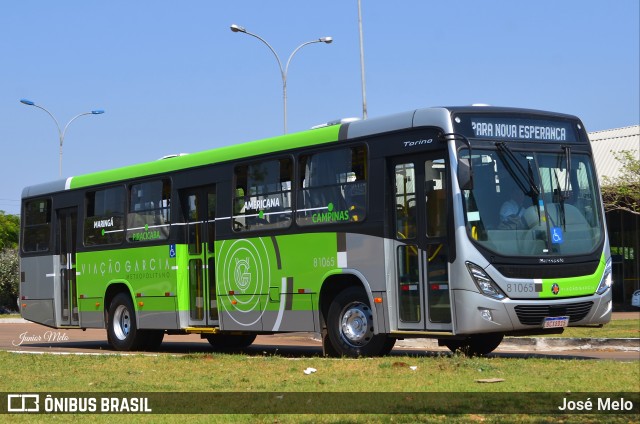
563 194
561 199
528 177
567 155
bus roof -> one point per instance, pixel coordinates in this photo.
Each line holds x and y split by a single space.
435 116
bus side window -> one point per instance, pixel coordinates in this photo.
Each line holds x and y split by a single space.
333 187
405 204
436 194
37 225
104 217
149 211
262 196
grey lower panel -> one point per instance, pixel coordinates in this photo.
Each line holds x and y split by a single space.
39 310
366 254
92 319
38 277
246 321
158 320
271 321
382 326
151 320
289 321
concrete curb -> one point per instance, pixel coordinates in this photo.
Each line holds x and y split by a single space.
13 321
540 344
559 343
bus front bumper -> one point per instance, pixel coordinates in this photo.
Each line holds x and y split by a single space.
476 313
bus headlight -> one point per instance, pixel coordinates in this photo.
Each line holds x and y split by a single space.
485 284
607 279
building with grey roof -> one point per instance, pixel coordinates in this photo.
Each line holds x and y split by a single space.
623 226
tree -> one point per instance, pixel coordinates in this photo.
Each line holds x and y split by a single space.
9 263
9 230
9 279
623 192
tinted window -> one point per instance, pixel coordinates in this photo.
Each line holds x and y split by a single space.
262 197
333 187
149 211
104 220
37 221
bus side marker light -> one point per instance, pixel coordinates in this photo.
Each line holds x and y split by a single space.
24 305
231 292
234 302
141 304
377 300
97 304
138 294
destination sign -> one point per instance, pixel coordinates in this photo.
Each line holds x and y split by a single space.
523 129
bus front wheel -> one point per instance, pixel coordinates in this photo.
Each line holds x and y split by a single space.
475 345
350 327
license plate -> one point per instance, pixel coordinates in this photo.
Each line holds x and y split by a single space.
555 322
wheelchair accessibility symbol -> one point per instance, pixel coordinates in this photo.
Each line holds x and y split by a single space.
172 250
556 235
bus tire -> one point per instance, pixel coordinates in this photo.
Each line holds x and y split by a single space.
388 346
476 345
122 331
350 326
483 344
151 339
230 341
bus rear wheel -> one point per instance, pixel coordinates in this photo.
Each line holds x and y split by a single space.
476 345
151 339
350 327
122 331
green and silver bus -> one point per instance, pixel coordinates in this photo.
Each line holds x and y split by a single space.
463 224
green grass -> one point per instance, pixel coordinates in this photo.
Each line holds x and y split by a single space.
239 373
245 374
321 419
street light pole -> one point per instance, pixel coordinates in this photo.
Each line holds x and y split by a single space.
61 133
283 71
364 91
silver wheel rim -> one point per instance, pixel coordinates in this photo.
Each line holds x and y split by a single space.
355 326
121 322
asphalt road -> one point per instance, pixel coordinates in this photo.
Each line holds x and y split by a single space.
33 338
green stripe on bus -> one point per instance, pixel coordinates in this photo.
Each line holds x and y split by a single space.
219 155
584 285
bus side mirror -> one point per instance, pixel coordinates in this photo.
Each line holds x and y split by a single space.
465 174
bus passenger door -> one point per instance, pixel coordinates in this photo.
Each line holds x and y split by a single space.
199 209
420 222
66 234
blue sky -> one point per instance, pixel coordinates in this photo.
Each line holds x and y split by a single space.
173 78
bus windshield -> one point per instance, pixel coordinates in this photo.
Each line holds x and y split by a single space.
533 203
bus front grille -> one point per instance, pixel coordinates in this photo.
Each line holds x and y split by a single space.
547 271
535 314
